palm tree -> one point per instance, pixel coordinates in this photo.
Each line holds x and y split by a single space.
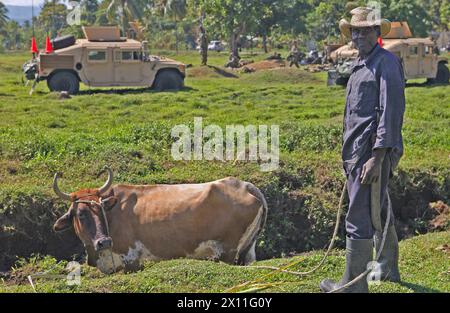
126 10
3 17
13 35
176 10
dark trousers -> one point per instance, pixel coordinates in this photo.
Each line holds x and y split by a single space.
358 221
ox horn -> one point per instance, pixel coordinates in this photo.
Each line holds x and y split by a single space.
59 193
108 183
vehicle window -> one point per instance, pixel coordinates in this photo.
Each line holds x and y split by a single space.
127 56
413 50
97 55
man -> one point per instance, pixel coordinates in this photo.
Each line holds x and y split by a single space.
372 147
294 55
233 61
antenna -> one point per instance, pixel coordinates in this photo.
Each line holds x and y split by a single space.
32 16
54 18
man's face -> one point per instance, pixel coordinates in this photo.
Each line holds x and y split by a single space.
364 39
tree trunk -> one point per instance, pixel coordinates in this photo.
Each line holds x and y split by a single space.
264 43
124 20
176 36
234 45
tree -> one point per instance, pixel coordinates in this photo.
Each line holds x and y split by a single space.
439 12
413 12
176 10
53 17
3 17
89 9
323 20
288 15
231 18
13 36
120 11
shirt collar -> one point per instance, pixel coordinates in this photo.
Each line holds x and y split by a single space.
363 62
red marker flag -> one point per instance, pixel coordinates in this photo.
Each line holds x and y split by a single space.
48 46
34 48
380 41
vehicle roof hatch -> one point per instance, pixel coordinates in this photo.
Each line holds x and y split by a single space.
102 33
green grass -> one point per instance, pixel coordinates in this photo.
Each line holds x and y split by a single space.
130 131
423 266
41 134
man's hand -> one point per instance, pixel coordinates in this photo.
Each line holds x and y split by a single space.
372 168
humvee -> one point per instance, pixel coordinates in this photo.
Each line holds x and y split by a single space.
103 59
419 57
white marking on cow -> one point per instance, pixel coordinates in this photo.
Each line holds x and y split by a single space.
209 250
139 252
109 262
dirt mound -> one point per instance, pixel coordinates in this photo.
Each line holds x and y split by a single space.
442 220
266 65
26 227
209 72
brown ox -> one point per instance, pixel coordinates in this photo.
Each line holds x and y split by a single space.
121 225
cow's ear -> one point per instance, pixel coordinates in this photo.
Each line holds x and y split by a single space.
109 203
63 223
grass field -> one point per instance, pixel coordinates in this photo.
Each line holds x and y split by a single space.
423 266
130 131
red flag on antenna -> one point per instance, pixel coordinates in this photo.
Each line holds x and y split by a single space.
48 46
34 48
380 41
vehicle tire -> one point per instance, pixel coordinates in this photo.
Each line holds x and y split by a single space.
342 81
168 80
64 81
443 75
63 42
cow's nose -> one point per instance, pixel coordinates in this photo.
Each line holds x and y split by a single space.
103 243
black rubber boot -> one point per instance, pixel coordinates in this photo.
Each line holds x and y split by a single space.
358 255
387 269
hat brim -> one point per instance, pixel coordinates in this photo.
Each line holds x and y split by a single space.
345 27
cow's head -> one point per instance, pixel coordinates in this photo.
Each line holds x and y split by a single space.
87 215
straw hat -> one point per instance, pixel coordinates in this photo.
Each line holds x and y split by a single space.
364 17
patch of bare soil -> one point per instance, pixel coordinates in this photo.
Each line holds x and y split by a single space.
444 248
442 219
265 65
210 71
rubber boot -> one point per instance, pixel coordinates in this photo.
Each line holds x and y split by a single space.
358 255
387 267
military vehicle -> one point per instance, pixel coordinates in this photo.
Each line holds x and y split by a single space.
103 59
419 56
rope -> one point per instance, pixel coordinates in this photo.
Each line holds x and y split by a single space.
377 257
330 247
100 204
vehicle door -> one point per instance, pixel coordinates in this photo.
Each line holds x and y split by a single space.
429 61
128 66
98 68
411 61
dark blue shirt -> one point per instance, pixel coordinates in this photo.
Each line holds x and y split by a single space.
377 84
